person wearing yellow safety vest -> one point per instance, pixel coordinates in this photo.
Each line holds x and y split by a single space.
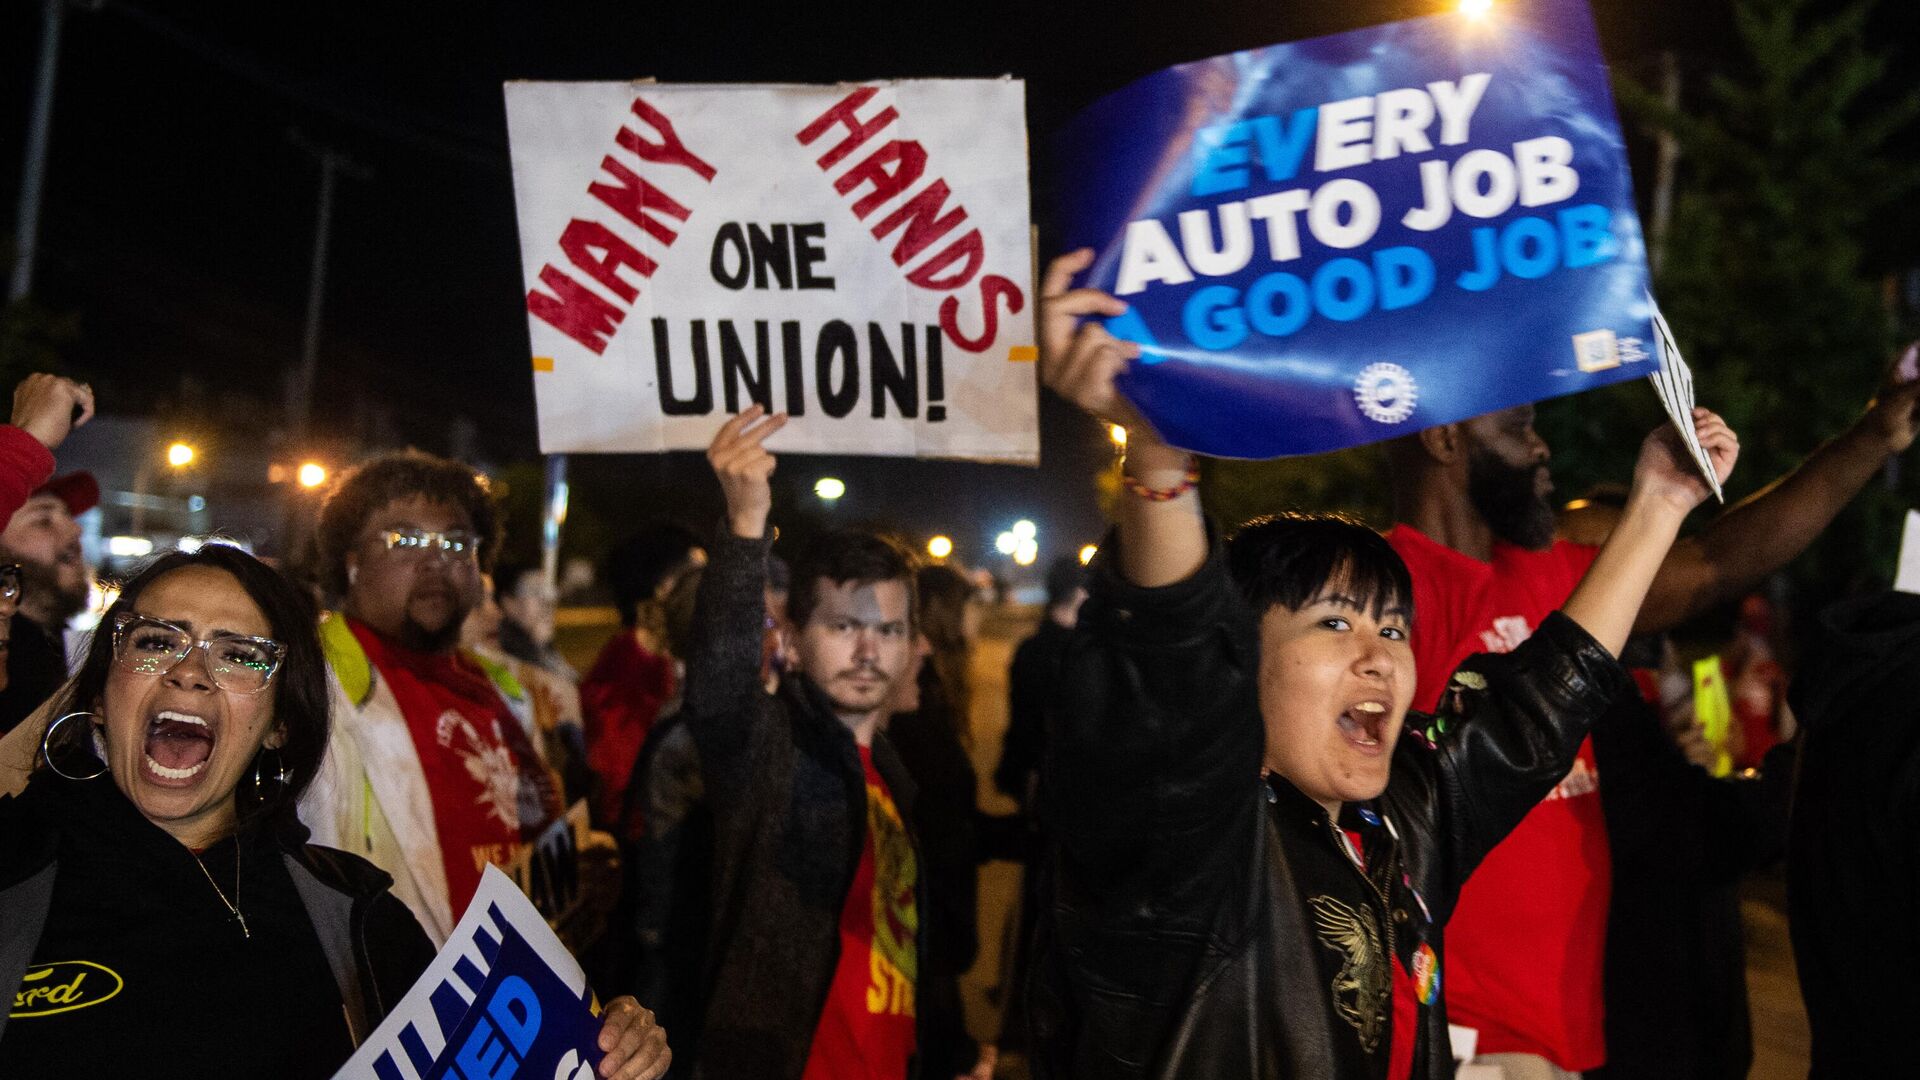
431 773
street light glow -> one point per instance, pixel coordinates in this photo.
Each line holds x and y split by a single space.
179 455
1087 553
1026 552
829 488
1005 543
1025 529
940 547
1474 9
311 475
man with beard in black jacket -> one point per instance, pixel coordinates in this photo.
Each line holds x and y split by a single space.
1253 870
818 942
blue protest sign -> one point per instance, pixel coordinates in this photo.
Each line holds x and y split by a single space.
514 1022
502 999
1348 239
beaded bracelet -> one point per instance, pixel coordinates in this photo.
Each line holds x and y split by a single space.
1135 487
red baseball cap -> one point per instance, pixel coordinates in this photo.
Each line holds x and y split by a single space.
79 490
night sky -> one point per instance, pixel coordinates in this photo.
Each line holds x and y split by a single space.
180 209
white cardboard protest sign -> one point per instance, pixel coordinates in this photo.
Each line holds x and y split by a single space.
503 996
855 255
1906 576
1674 383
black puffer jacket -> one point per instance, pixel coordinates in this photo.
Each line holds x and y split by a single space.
1206 924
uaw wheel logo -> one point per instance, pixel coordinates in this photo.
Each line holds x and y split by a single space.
1385 393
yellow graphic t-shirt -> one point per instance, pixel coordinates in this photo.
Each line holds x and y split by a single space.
866 1031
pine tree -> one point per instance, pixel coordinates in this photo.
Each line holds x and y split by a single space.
1788 166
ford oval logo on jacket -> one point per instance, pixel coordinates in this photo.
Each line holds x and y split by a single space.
64 986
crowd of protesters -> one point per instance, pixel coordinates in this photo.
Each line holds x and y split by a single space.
1293 799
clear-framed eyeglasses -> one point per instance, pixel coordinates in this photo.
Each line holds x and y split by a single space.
422 543
146 645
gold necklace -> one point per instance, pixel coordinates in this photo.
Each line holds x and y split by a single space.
233 905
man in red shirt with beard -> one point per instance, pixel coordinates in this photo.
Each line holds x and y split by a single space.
432 772
1476 531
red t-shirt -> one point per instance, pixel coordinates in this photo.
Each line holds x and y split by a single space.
866 1031
491 795
619 700
1527 939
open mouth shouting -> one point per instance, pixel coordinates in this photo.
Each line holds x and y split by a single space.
1364 726
178 747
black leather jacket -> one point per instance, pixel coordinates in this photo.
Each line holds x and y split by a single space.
1206 924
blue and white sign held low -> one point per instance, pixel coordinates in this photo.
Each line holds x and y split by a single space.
503 999
1348 239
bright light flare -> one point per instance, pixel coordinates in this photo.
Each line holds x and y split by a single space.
1005 543
1087 553
99 598
829 488
1026 552
1118 434
180 455
1025 530
311 475
1474 9
940 547
129 547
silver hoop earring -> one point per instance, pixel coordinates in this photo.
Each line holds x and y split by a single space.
46 753
280 775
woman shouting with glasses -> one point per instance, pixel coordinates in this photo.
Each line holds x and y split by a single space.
162 913
165 915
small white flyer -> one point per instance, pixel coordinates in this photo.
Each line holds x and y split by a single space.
1674 383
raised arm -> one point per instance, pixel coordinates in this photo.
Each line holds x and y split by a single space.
1164 540
723 664
1665 490
1771 528
1153 750
1510 724
46 409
